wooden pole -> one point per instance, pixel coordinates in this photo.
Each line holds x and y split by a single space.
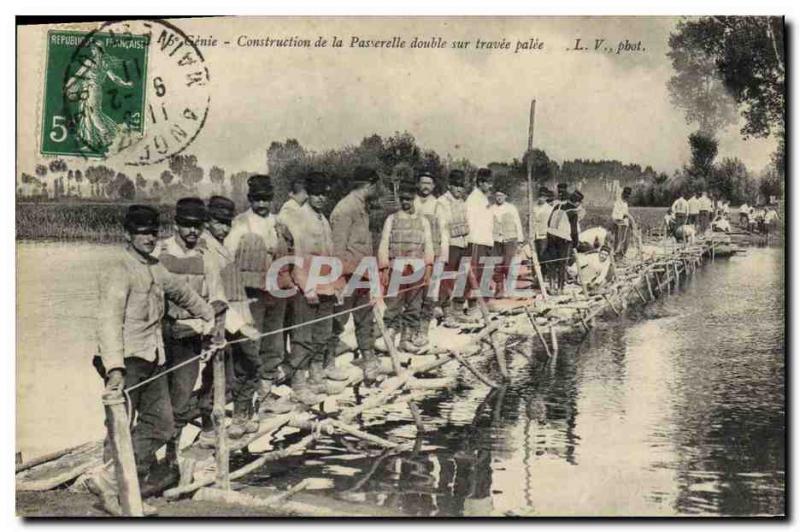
218 411
498 352
538 331
130 498
537 268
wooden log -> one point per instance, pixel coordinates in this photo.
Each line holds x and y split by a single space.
130 498
388 341
538 331
416 416
649 287
366 436
639 293
51 456
610 304
218 410
499 354
290 507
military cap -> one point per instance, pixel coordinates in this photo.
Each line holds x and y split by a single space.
190 211
576 196
407 185
545 192
317 183
363 174
456 178
259 186
221 208
626 191
425 173
484 174
141 219
504 188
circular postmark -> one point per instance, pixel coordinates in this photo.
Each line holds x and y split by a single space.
136 91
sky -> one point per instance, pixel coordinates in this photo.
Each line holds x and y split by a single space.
468 103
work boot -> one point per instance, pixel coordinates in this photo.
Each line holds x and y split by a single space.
420 338
473 315
380 345
161 477
371 366
334 373
207 439
407 341
103 485
275 405
302 392
242 423
316 377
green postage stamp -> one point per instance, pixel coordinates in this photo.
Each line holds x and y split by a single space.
94 92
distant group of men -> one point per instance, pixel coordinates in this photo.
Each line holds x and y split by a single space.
704 213
164 299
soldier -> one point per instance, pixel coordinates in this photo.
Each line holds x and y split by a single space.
481 231
563 194
405 235
508 236
622 223
256 241
694 208
314 300
705 207
352 242
244 360
455 212
680 210
131 346
426 204
185 255
562 233
541 214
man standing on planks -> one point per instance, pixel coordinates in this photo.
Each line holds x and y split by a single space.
622 223
426 204
131 345
455 212
680 210
256 241
481 232
352 242
705 208
508 236
185 255
562 233
541 214
244 361
406 235
316 297
694 208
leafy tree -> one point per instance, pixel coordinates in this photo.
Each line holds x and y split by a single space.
99 177
41 170
166 178
239 186
185 167
704 151
697 85
141 184
217 177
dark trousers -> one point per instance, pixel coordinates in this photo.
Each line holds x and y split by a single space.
310 342
242 373
269 313
446 288
621 233
506 250
692 219
560 250
541 248
405 308
362 320
183 379
703 220
152 408
476 252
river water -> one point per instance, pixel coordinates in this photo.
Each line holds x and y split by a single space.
678 408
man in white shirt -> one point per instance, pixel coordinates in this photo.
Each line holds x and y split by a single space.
541 214
622 223
744 215
770 220
705 206
481 224
508 236
694 208
680 210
